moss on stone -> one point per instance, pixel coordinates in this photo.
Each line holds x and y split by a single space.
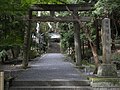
113 81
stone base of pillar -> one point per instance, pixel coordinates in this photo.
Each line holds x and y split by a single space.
107 70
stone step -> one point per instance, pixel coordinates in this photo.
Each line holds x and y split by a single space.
51 88
51 83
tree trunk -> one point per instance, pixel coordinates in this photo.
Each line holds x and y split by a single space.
94 51
13 55
95 56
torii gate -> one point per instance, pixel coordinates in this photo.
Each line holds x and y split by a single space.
74 8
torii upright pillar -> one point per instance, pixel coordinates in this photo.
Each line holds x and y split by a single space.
27 42
77 42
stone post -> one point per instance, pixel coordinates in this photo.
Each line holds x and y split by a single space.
106 40
1 80
106 69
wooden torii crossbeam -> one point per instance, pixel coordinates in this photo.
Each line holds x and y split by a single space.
59 19
61 7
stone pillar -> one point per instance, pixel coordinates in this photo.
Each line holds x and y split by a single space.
1 80
106 69
77 42
106 40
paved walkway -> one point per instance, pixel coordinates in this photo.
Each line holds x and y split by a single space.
51 67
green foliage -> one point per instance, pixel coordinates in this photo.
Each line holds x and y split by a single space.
102 5
3 56
5 47
3 53
88 53
33 54
67 36
11 24
111 81
12 30
61 1
115 56
85 62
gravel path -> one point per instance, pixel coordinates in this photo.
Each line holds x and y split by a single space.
51 67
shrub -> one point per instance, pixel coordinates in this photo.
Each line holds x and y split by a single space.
33 54
115 57
3 56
